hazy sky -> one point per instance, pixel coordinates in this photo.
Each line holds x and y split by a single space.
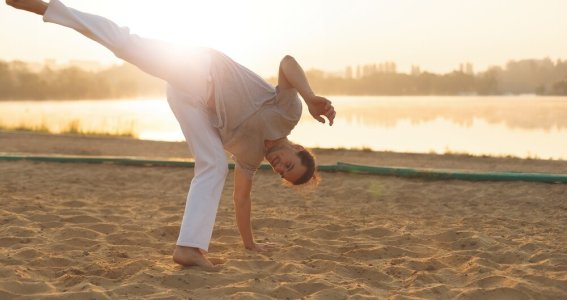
437 35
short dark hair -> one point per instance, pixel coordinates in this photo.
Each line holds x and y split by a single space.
308 160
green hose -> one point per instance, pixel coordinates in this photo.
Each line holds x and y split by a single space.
452 174
339 167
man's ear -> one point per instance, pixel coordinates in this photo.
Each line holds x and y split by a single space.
298 147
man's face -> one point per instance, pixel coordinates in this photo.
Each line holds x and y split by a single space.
285 162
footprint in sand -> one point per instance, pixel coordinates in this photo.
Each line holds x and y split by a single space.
76 232
168 232
104 228
82 219
494 294
75 204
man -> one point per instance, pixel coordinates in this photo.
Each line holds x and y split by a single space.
220 105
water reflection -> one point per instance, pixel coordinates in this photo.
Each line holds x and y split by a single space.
518 126
514 112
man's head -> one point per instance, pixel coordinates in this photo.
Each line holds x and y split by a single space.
292 162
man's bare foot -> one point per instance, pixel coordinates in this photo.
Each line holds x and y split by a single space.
188 256
35 6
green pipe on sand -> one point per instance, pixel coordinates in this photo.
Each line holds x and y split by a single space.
339 167
453 174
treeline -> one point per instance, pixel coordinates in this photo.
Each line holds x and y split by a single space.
455 83
543 77
18 81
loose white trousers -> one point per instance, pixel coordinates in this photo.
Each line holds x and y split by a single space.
187 74
211 166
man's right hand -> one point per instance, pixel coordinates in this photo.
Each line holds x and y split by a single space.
35 6
320 106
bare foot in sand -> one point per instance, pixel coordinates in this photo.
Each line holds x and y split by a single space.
188 256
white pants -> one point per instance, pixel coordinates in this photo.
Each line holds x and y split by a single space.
211 166
187 74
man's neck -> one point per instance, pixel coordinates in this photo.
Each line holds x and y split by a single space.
269 144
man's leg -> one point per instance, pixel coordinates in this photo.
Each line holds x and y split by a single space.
210 174
158 58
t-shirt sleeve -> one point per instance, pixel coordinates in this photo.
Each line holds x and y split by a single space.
246 169
282 116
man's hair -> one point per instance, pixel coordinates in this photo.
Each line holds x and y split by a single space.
308 160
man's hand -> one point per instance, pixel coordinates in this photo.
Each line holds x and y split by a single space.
261 247
319 107
35 6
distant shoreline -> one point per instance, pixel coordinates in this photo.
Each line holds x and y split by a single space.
531 76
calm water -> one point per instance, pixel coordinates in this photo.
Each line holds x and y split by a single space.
526 126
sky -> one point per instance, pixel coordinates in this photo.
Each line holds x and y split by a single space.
436 35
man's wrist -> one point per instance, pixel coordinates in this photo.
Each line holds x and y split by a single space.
308 96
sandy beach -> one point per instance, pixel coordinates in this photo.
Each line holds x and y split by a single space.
88 231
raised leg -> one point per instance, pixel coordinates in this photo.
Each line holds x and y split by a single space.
161 59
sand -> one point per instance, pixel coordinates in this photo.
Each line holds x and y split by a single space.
81 231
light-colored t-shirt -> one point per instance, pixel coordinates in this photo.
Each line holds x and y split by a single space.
249 111
275 120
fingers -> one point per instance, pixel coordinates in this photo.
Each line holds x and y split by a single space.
263 247
330 114
331 117
322 107
268 247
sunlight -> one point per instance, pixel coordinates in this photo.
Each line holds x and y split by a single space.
330 35
214 24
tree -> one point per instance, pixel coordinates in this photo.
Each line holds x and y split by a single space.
560 88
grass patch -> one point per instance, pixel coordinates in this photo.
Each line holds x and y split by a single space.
38 128
42 128
73 128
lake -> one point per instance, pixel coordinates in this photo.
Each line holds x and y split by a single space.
521 126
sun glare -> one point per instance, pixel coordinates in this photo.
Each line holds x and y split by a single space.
195 23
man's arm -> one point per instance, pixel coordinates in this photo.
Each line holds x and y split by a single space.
243 208
291 75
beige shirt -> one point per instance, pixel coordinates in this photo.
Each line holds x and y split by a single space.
274 120
249 111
